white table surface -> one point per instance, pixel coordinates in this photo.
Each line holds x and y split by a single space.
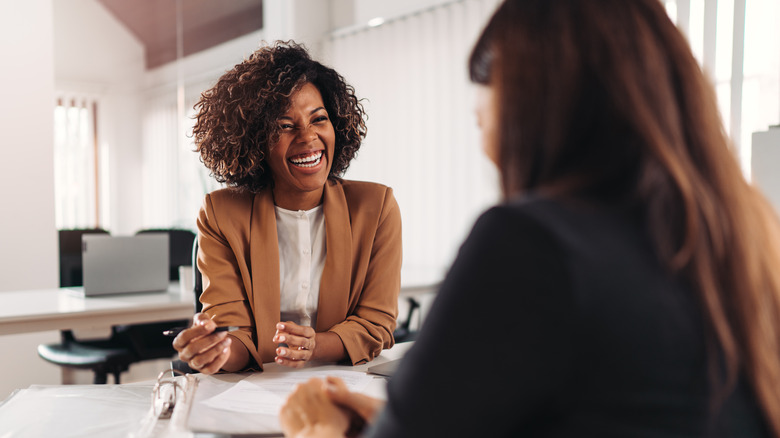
61 308
106 411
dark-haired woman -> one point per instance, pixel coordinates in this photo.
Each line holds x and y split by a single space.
636 269
305 263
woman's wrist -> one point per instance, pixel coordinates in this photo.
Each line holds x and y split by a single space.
239 357
328 347
320 430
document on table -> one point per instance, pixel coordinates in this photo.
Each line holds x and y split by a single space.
265 393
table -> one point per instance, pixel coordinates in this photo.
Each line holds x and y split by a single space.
106 411
63 309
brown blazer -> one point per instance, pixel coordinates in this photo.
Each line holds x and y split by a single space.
239 259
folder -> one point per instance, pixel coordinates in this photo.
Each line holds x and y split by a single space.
102 411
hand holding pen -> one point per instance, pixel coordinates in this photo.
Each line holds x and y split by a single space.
172 332
204 346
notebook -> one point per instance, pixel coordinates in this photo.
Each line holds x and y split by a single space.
124 264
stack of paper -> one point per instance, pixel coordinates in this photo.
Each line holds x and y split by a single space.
252 404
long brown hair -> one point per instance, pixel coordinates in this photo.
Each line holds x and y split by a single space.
603 99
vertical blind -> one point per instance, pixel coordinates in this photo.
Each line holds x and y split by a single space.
174 180
422 135
737 43
75 166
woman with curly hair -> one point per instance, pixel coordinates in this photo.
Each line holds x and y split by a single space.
306 264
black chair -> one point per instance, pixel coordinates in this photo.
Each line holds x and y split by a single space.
100 356
197 278
179 245
197 289
403 332
70 255
147 340
127 344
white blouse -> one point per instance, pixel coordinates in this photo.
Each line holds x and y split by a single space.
302 251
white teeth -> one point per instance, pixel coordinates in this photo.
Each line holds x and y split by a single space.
310 161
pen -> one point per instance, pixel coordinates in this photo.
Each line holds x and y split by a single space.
176 330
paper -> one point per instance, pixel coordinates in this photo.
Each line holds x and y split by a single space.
265 393
248 398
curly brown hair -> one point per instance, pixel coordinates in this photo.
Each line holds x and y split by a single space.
236 119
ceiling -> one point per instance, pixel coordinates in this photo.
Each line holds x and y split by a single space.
205 24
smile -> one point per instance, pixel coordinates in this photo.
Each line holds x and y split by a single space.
306 160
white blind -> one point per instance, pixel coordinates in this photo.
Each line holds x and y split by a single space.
75 168
174 180
422 135
738 44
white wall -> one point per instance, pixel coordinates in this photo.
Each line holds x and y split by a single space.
350 13
367 10
301 20
28 238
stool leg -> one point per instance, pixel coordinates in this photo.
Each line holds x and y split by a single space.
116 376
67 376
101 377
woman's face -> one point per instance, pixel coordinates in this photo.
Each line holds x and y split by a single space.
487 120
300 160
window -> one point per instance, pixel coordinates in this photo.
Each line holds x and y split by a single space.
76 165
738 44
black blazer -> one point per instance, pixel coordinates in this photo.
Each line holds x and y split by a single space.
558 321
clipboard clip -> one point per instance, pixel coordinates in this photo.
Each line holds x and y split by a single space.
166 393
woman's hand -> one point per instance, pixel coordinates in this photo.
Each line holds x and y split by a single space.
300 343
201 348
309 413
363 406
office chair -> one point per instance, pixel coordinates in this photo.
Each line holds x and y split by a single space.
100 356
127 344
197 280
403 332
197 290
147 340
180 247
70 255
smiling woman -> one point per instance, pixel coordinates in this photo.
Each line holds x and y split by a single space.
305 263
299 159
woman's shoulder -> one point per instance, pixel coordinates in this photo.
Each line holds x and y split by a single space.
363 201
517 220
230 196
571 215
361 188
535 211
364 194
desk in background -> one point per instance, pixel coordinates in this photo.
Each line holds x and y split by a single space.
63 309
40 310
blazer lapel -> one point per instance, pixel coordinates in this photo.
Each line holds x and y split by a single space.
336 275
264 254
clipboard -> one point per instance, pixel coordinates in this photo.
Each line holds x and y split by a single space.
171 400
